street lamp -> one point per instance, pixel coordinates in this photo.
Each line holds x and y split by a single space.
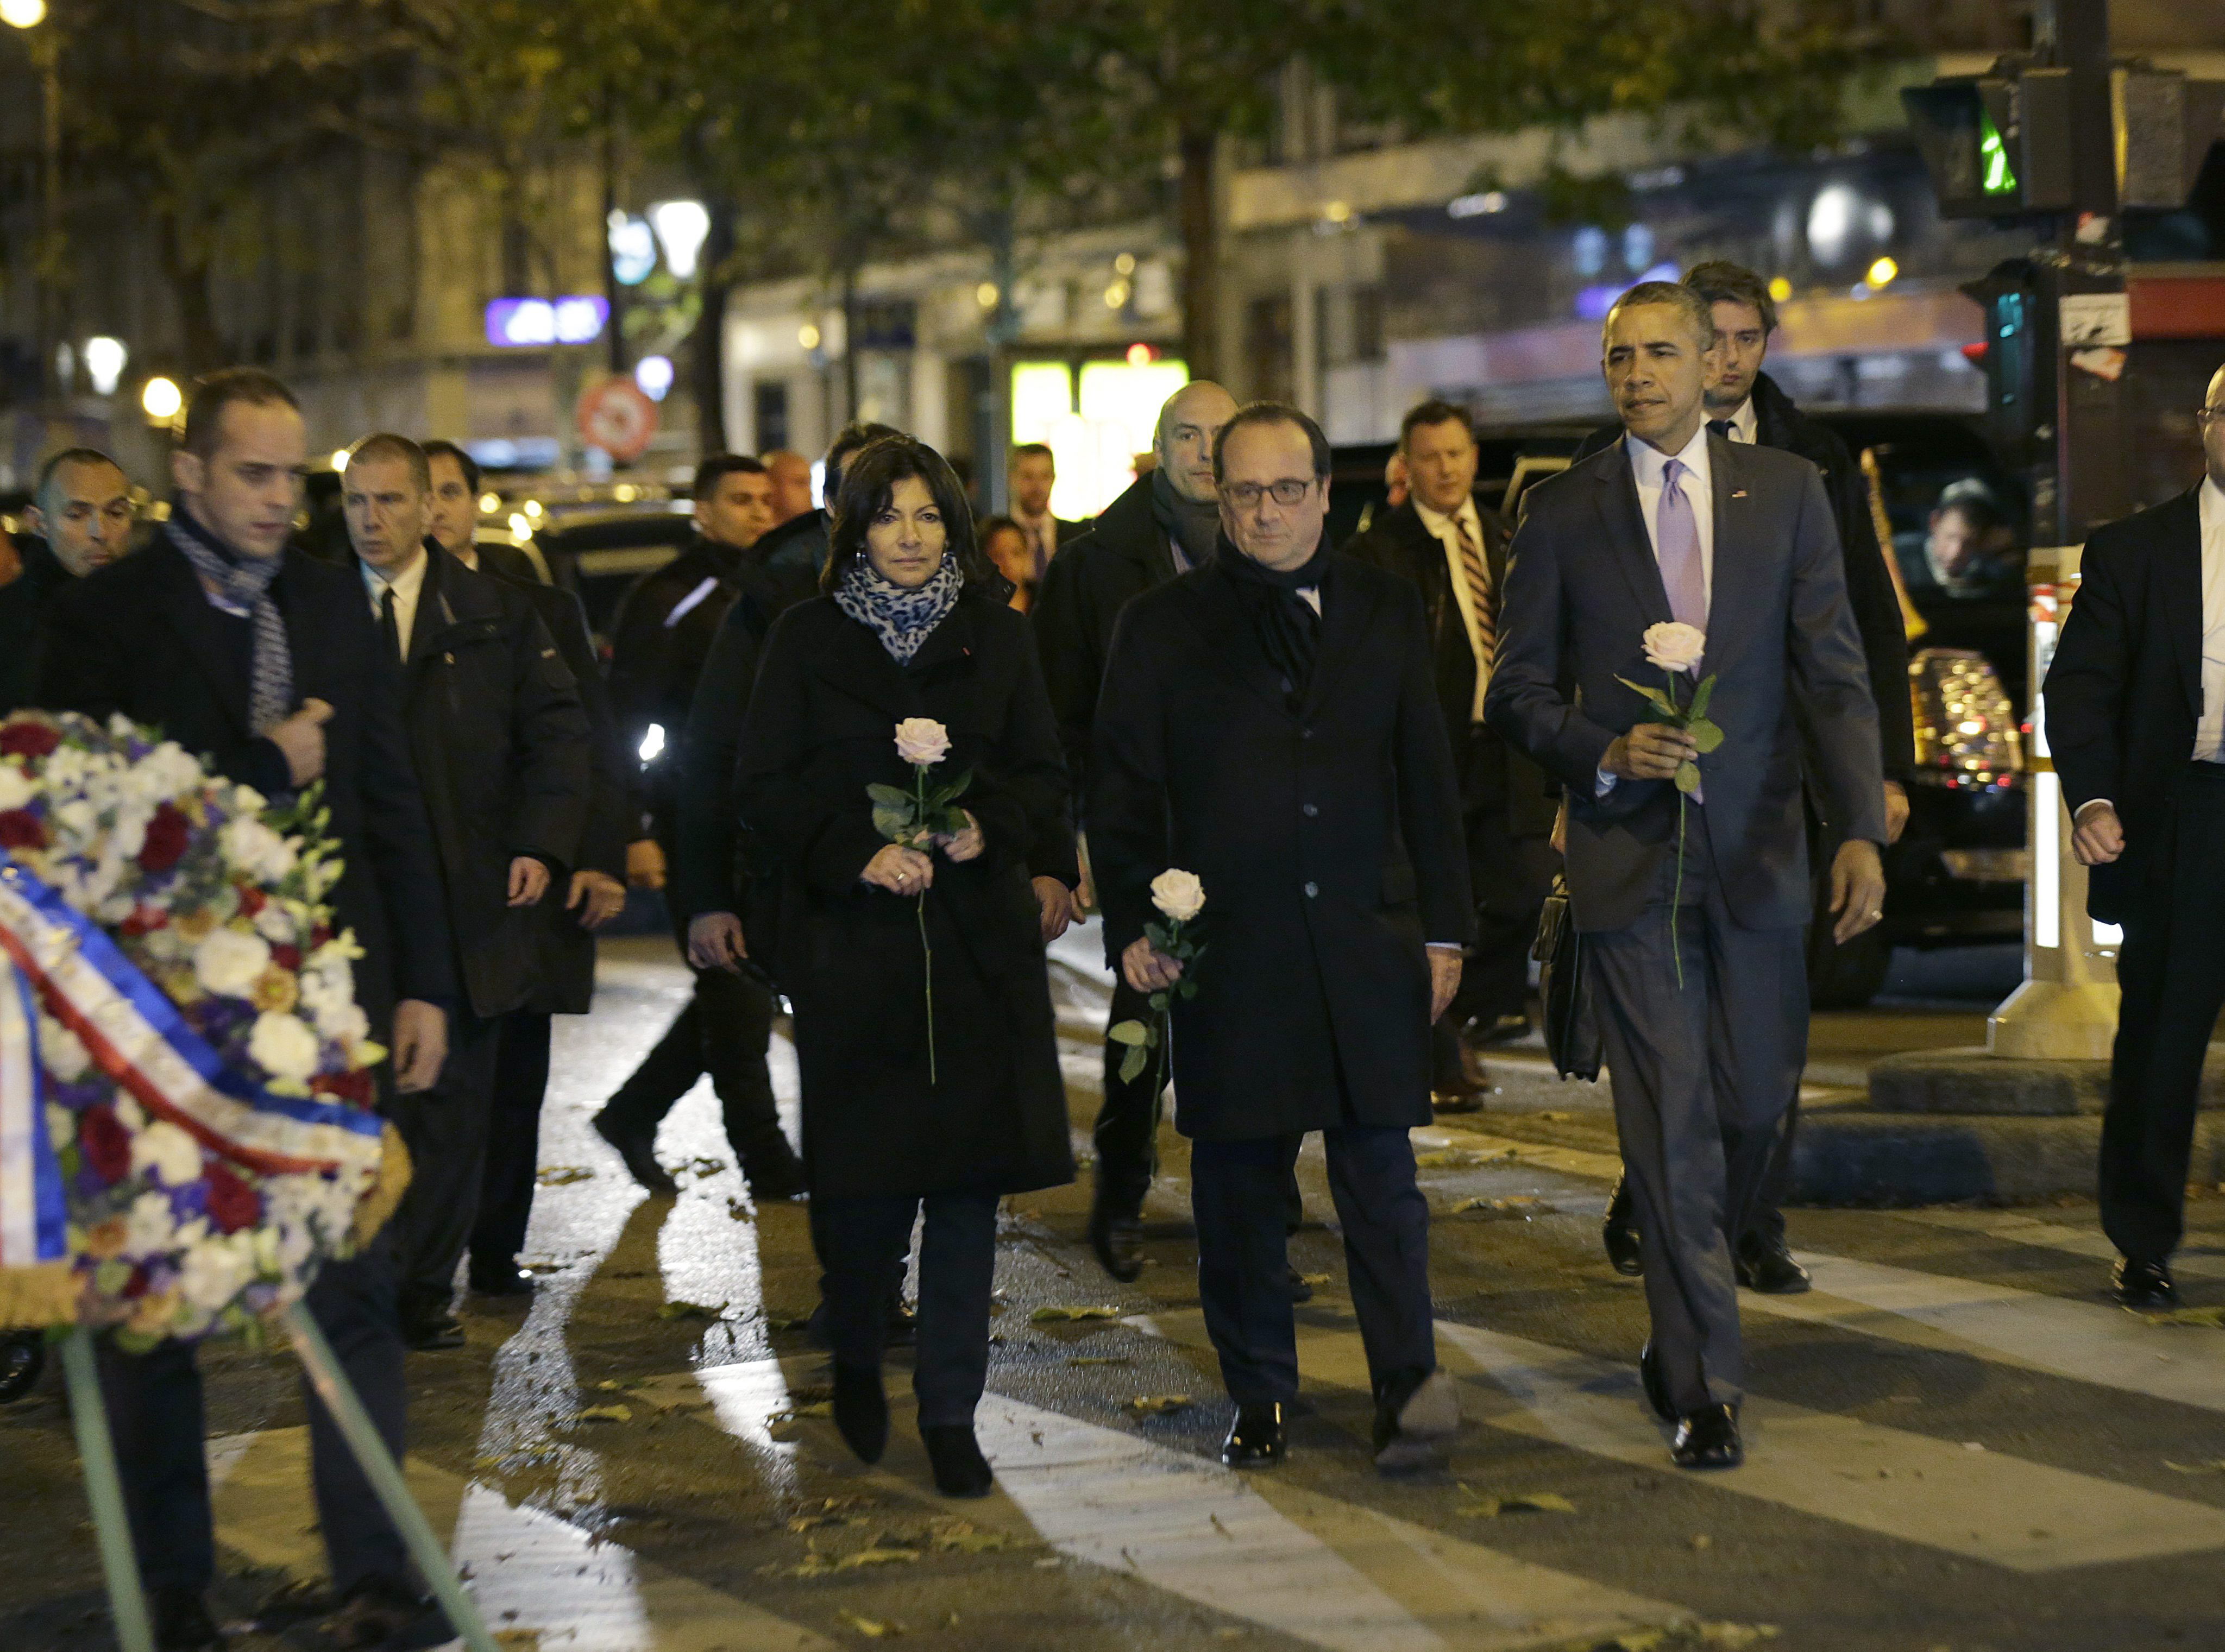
161 399
682 226
46 56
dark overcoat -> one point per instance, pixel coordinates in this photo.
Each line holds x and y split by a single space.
564 967
503 755
2124 695
140 637
1328 838
820 728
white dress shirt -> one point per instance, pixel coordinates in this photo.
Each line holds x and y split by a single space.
406 586
1447 532
2209 729
1648 466
1745 426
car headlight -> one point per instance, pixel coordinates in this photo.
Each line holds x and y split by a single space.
1965 730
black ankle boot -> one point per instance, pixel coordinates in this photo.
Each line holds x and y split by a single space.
961 1471
861 1410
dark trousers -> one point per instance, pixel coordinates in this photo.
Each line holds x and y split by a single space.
1239 1193
725 1031
445 1128
862 1245
1700 1073
155 1408
2170 971
513 1147
1126 1135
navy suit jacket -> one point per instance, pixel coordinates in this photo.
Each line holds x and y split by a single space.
1582 586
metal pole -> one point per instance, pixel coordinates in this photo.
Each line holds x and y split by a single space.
339 1397
96 1449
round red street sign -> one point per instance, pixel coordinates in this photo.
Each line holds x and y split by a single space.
615 416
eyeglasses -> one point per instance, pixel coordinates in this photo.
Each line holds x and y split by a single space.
1246 496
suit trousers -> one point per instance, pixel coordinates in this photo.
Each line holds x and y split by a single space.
513 1148
2171 974
155 1408
1702 1071
862 1244
725 1031
445 1128
1510 871
1239 1191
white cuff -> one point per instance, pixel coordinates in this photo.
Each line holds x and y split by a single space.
1606 783
2091 803
1446 946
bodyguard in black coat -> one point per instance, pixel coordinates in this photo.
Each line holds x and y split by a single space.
1165 524
2133 720
1268 724
274 693
1507 806
502 751
890 1123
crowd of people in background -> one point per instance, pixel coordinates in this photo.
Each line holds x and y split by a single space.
1376 758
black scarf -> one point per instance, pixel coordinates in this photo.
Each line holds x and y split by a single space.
1191 527
1288 628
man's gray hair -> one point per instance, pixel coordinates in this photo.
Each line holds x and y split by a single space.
384 444
1696 308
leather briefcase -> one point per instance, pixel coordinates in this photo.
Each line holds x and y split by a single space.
1572 1029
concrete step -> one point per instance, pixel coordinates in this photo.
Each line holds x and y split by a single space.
1868 1156
1970 1081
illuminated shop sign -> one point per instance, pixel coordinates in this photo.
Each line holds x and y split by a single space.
517 322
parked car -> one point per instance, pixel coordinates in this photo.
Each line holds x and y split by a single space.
597 546
1959 527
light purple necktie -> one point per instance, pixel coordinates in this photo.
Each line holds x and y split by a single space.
1676 545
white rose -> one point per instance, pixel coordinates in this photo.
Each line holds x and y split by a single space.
169 770
922 742
255 849
283 1047
61 1126
15 789
1675 647
344 1023
169 1151
149 1228
60 1051
227 962
246 799
213 1271
275 925
1178 894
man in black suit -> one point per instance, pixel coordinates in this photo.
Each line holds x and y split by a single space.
1268 724
563 971
1030 475
1692 891
81 518
1165 524
2136 724
268 661
1455 552
1744 404
501 753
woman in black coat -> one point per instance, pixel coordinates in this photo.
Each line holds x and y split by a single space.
913 625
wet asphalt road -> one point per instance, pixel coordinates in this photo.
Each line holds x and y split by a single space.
1955 1442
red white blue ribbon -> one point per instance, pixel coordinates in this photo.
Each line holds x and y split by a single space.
33 1219
135 1034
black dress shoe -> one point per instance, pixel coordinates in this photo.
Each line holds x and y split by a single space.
500 1282
1255 1439
1118 1241
431 1330
861 1411
961 1471
1619 1233
1461 1099
1657 1389
2144 1284
1708 1438
1295 1283
181 1621
1413 1422
899 1325
1768 1267
639 1152
1500 1029
774 1176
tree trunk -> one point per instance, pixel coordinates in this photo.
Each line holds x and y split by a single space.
1201 233
189 278
850 341
708 354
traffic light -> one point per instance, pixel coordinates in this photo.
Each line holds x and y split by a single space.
1996 145
2019 357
